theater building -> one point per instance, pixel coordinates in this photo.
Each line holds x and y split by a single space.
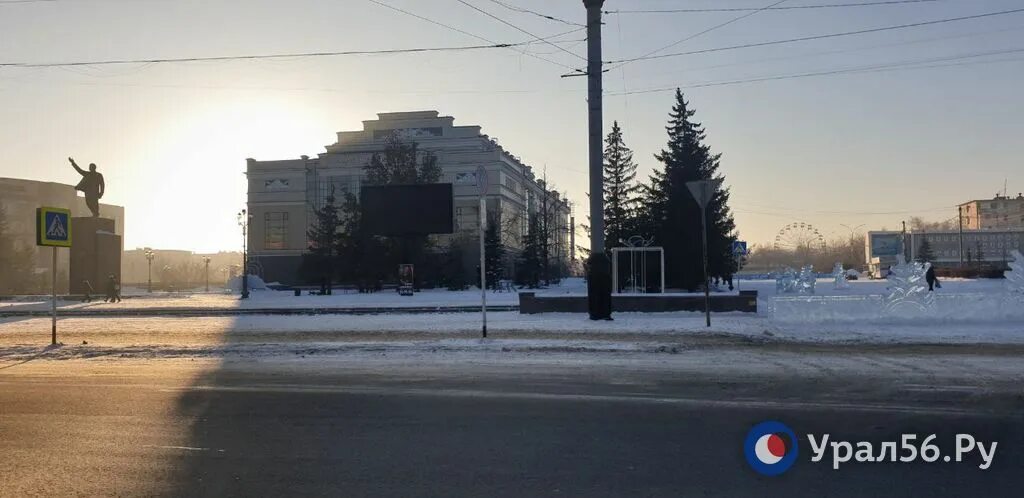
284 194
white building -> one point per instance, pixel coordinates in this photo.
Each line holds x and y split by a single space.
283 195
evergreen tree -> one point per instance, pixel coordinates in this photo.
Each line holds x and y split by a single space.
324 237
979 255
924 251
455 277
494 254
528 272
671 215
620 189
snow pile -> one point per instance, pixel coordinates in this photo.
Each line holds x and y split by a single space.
255 283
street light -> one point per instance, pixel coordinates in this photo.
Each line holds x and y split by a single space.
149 258
206 260
853 231
243 221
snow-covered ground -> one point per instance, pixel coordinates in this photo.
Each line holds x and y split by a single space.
629 331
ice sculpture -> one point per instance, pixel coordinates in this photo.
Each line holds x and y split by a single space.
839 275
806 280
785 281
908 288
1015 276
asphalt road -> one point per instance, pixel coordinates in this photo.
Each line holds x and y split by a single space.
554 426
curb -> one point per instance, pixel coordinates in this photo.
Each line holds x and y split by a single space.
219 312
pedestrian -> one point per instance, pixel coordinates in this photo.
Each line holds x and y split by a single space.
112 291
932 280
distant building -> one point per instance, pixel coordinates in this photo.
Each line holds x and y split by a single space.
986 247
999 213
135 267
283 195
20 198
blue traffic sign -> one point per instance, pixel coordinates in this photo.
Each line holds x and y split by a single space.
739 248
53 227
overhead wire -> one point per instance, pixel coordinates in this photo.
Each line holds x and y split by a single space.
909 64
696 35
492 16
821 37
787 7
478 37
523 10
263 56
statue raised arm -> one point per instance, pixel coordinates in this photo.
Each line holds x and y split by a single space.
92 185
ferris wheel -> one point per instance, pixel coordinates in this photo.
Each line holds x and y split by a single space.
800 235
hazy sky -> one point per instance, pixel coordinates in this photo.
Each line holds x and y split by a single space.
172 139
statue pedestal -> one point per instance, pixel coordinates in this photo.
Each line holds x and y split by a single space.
95 254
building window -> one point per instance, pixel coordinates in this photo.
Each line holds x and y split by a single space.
275 230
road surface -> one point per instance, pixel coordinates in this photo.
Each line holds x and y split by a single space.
498 425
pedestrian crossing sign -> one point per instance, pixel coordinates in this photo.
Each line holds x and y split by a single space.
53 227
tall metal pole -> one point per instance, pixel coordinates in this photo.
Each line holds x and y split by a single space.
707 279
483 263
960 219
599 288
53 323
243 218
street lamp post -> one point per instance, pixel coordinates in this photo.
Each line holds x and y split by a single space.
206 260
243 221
149 258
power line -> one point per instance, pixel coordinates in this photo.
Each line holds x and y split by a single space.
783 210
492 16
821 37
524 10
913 64
854 49
747 9
263 56
478 37
695 35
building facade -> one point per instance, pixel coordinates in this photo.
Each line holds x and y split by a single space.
20 198
980 247
284 194
999 213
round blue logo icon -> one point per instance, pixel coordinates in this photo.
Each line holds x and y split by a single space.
770 448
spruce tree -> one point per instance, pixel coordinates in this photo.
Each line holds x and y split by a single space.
620 189
494 253
924 251
671 215
528 272
323 236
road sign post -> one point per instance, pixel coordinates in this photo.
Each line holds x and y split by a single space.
703 191
53 229
739 251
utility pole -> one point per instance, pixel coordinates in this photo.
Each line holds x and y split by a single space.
960 222
903 240
599 285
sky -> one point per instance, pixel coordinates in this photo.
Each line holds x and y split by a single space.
935 124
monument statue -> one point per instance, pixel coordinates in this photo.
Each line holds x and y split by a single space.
91 185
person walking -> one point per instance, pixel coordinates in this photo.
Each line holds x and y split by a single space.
932 280
113 291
